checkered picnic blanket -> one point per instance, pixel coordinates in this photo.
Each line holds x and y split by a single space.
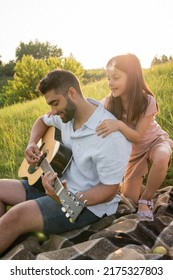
119 236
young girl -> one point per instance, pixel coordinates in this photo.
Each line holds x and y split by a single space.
135 107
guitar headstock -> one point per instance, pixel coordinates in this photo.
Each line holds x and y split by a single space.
72 206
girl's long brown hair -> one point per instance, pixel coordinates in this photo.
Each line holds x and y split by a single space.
137 88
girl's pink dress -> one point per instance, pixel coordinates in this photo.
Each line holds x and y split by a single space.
141 152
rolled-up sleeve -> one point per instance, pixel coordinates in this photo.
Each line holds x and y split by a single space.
52 121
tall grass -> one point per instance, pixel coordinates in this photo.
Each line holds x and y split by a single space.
160 80
15 124
16 121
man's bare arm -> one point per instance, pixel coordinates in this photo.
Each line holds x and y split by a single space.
32 152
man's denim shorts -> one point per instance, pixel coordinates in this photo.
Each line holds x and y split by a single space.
54 218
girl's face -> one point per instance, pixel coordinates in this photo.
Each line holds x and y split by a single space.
117 81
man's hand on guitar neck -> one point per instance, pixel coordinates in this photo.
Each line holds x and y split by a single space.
47 182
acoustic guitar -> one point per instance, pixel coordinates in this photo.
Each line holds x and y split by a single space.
54 156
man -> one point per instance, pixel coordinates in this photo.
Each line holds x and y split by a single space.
94 174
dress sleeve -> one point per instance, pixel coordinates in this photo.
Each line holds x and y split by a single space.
152 107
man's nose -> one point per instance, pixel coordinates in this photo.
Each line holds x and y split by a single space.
54 111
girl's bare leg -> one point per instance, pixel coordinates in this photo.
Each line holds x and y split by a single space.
133 189
160 161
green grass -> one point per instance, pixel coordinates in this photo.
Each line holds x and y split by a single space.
16 121
15 124
160 80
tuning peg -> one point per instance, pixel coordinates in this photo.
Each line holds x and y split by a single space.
67 215
77 203
63 209
70 212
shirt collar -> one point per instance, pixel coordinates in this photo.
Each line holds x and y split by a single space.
95 118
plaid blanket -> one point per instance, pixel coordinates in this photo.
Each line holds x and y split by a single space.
120 236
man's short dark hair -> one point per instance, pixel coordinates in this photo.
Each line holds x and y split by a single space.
60 80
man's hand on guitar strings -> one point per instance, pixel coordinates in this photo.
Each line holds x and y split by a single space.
32 154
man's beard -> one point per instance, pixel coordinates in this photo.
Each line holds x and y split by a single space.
69 111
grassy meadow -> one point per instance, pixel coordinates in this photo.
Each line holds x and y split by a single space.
17 120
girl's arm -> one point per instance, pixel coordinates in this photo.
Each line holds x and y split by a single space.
134 135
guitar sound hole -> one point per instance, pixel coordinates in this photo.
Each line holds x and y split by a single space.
32 169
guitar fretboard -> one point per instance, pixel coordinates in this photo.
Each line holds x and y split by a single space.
46 167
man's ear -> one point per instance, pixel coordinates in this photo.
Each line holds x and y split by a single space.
72 93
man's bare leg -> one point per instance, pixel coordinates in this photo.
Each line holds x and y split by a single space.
12 192
21 218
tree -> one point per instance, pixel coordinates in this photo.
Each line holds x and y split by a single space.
28 73
8 69
39 50
69 63
162 59
155 61
54 62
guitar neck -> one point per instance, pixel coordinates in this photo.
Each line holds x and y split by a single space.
46 167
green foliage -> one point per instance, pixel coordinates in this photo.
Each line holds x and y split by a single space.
39 50
93 75
7 70
3 82
28 73
54 63
70 63
6 73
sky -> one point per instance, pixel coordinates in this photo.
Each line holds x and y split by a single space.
92 31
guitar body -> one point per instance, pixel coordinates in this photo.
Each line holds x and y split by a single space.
57 155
